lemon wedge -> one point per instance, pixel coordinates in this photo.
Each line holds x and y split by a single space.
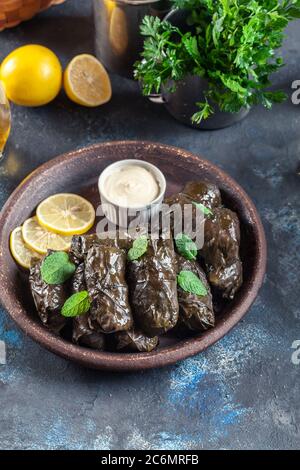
66 214
41 240
86 81
21 253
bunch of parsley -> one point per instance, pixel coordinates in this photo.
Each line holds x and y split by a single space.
231 43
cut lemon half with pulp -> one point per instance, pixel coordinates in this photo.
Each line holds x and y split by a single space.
23 255
66 214
41 240
86 81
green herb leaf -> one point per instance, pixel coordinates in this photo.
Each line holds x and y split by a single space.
57 268
77 304
139 247
205 210
189 282
185 246
205 110
231 44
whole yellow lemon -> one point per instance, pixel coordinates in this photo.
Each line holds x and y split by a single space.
32 75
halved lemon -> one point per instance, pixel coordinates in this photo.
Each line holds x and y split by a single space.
41 240
86 81
21 253
66 214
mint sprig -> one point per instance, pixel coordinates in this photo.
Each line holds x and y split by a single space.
139 247
202 208
77 304
189 282
57 268
185 246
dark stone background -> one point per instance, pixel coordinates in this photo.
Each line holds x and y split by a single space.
241 393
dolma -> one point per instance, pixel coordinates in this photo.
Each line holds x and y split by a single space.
48 299
105 281
198 191
85 332
153 288
135 340
204 192
201 192
221 252
195 312
82 243
84 335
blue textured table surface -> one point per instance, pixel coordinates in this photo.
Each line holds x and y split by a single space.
241 393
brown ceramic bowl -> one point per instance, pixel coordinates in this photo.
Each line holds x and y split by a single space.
78 172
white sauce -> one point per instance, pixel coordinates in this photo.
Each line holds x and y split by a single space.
131 186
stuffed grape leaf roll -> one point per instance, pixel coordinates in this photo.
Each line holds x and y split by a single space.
119 239
85 332
189 220
105 281
153 288
84 335
202 192
221 243
195 311
135 340
48 299
80 246
221 252
205 192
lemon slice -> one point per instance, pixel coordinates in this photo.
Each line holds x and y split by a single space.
66 214
21 253
86 81
41 240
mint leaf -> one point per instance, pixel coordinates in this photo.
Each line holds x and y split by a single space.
57 268
205 210
185 246
77 304
139 247
189 282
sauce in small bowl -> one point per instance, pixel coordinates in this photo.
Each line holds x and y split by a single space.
131 188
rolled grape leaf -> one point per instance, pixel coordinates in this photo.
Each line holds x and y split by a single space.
135 340
195 311
85 332
84 335
48 299
203 192
221 252
120 239
153 288
80 246
221 247
105 281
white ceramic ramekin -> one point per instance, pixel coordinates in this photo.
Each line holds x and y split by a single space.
122 215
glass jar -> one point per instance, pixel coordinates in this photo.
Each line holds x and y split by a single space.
5 119
117 29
